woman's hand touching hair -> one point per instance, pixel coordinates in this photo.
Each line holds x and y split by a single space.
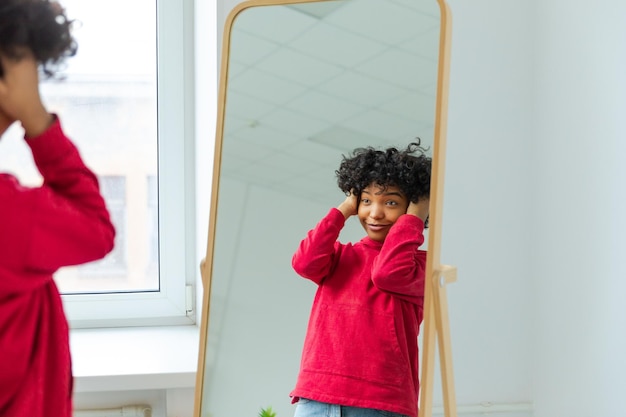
35 35
19 95
420 209
349 206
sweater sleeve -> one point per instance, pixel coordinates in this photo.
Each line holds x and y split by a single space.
400 266
65 221
317 253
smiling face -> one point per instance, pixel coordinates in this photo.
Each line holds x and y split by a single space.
379 208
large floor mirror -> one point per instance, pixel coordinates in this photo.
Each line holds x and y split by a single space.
302 82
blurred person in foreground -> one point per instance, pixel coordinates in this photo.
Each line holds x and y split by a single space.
62 222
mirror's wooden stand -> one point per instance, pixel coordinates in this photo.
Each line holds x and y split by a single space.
436 320
437 326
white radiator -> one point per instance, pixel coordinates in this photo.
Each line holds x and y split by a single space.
127 411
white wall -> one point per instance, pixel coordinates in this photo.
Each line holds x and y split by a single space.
538 96
579 205
486 215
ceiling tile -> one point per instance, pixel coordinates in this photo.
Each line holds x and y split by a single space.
321 182
360 89
407 71
264 174
275 23
289 164
425 45
248 49
319 9
344 139
295 66
233 123
429 8
384 125
390 23
412 106
246 107
315 152
234 147
325 107
266 136
337 46
301 126
271 88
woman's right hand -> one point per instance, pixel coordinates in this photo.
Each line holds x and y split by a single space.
349 206
420 209
19 94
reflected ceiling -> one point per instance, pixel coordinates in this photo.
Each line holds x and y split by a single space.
310 82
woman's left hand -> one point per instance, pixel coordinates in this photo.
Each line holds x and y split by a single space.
419 209
19 95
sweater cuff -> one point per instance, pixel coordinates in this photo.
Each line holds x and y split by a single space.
411 219
51 144
336 217
410 223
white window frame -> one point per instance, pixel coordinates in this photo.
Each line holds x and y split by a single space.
172 304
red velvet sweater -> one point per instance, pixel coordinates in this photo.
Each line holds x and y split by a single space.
361 347
63 222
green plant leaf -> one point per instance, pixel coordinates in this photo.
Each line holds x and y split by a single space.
267 412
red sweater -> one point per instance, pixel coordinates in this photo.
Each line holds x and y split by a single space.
63 222
361 343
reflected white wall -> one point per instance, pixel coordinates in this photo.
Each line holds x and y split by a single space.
260 306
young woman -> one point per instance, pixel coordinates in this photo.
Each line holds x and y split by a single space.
360 355
62 222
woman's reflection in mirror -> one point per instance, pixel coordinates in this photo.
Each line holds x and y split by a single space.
360 355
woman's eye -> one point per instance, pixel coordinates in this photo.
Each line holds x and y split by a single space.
392 203
365 200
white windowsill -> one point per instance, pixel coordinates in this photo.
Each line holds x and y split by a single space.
134 358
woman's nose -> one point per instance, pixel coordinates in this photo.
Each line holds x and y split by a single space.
376 212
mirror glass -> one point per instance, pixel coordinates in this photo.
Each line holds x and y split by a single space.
306 83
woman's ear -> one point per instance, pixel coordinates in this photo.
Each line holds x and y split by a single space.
3 86
5 122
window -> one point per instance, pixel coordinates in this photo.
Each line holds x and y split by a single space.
152 225
110 274
126 102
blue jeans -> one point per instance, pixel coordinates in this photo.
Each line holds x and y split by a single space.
310 408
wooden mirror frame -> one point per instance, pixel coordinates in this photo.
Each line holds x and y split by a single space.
436 321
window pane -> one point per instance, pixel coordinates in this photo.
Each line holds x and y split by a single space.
115 263
152 224
107 103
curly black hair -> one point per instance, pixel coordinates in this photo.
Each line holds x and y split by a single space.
407 169
39 25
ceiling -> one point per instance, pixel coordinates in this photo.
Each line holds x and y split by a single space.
307 83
